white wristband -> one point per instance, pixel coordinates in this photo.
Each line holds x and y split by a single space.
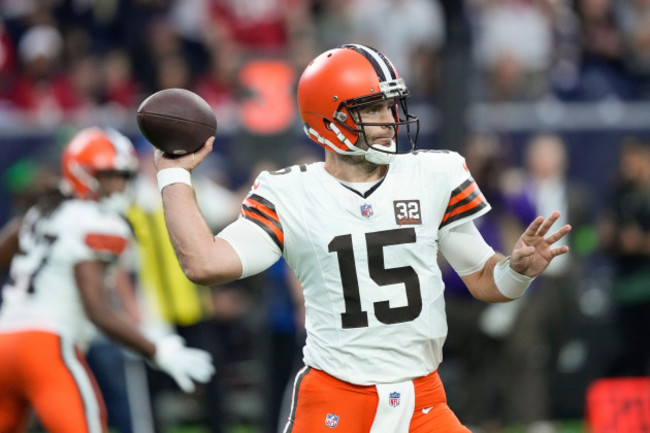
168 176
510 283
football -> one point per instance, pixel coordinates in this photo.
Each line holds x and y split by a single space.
176 121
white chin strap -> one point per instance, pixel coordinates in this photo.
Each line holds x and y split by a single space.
381 157
371 154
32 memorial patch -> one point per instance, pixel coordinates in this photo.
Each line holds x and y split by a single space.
407 212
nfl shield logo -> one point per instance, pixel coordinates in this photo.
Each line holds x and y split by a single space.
366 210
331 420
393 399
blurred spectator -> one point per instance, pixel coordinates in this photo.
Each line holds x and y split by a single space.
415 39
633 18
218 85
626 234
165 50
172 71
333 22
41 87
565 72
539 323
270 27
86 82
601 37
513 44
119 84
602 46
7 59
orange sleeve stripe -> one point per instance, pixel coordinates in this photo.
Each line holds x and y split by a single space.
264 209
463 194
276 231
472 204
106 243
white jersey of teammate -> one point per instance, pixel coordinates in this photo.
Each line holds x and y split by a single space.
41 292
368 262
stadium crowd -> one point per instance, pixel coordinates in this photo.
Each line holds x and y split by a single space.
68 64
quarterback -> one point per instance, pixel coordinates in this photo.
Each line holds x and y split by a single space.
362 231
61 254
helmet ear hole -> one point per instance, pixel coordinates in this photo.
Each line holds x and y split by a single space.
340 116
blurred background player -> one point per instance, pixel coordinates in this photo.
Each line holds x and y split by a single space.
62 256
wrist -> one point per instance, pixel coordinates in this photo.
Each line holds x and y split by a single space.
509 282
172 175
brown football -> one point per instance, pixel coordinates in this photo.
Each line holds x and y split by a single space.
176 121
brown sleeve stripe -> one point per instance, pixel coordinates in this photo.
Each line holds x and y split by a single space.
466 200
262 212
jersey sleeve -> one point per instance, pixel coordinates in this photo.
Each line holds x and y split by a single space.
256 250
98 236
466 201
464 248
259 208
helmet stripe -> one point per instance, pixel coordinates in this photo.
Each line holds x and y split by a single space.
381 64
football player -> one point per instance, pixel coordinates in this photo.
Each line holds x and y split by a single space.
61 254
362 231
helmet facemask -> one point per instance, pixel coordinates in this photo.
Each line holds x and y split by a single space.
349 113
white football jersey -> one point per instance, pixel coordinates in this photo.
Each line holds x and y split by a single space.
41 292
375 310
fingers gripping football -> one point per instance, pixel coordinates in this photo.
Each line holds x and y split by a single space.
188 162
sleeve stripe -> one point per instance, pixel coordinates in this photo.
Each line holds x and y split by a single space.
262 216
466 200
464 190
470 208
269 226
262 201
261 208
106 243
467 206
451 209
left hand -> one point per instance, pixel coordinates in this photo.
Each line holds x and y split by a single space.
532 252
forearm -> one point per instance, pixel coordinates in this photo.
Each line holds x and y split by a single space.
482 285
203 258
120 328
90 277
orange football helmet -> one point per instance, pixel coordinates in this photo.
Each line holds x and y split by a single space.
340 81
93 150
